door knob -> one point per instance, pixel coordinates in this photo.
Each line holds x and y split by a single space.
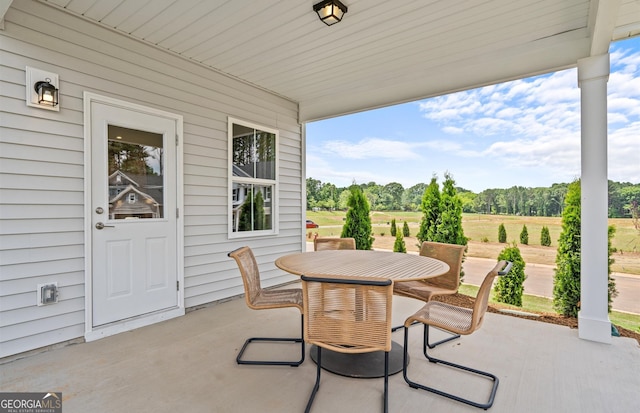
100 225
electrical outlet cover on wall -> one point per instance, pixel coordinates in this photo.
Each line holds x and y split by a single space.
47 293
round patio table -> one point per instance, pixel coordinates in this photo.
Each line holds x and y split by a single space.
357 263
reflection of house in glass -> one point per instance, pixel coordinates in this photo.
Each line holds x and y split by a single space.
135 196
241 194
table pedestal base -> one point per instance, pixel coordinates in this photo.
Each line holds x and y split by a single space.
363 365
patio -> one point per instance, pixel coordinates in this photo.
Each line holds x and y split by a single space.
206 65
188 364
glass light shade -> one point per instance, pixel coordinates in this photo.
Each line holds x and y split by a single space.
330 11
47 93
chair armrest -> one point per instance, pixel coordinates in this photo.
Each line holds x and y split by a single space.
230 253
506 269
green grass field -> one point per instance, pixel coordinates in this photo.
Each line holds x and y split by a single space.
482 231
535 304
478 227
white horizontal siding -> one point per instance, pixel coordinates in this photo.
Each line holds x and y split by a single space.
42 167
26 285
15 320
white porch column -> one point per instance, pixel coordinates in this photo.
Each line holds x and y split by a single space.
593 318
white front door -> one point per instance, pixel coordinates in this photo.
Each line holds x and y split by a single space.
134 209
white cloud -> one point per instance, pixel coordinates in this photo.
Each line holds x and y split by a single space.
624 153
372 148
514 89
528 123
444 145
508 113
625 59
452 130
320 169
526 130
489 126
546 105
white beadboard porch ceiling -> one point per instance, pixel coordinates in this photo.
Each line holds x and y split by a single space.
383 52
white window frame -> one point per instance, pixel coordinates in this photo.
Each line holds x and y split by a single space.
255 181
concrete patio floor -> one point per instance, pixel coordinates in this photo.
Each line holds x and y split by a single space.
188 365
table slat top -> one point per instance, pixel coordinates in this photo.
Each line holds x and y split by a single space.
359 263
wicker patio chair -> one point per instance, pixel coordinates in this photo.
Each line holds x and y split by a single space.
444 284
259 299
329 243
456 320
348 316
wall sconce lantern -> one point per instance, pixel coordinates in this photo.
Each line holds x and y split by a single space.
330 11
42 89
47 93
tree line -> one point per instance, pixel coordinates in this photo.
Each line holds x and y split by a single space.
624 198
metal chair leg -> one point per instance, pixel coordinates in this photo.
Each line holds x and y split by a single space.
426 342
386 381
396 328
296 363
316 386
416 385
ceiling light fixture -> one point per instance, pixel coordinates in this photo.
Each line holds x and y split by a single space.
330 11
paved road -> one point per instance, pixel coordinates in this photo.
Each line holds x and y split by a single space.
540 282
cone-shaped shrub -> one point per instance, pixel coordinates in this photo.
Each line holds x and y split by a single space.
509 288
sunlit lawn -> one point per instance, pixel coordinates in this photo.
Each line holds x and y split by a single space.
482 230
536 304
479 227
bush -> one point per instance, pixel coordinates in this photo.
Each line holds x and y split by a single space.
430 207
612 291
358 222
393 227
399 245
502 234
449 224
442 215
566 283
405 229
484 239
509 288
545 237
524 236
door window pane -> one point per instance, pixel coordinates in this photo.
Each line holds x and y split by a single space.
135 174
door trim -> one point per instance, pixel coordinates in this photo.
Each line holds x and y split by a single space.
91 332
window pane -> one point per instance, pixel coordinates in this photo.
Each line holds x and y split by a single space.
265 150
254 153
252 209
135 179
243 163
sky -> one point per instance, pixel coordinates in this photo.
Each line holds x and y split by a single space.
525 132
